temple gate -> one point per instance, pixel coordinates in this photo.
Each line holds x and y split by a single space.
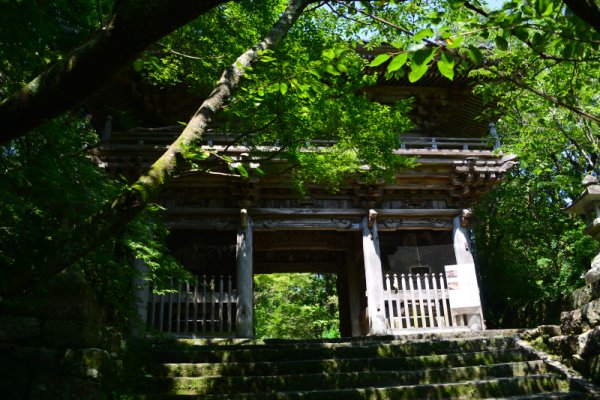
400 249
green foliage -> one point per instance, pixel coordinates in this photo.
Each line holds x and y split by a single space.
197 53
304 96
531 255
49 183
298 306
33 34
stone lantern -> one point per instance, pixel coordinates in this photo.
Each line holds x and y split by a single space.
588 205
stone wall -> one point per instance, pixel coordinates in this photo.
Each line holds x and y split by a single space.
51 343
577 339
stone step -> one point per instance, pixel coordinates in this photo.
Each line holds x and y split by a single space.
255 353
545 396
338 365
499 387
329 381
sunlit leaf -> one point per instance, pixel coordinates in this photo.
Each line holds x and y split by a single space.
446 66
422 34
283 88
416 72
380 59
475 55
397 62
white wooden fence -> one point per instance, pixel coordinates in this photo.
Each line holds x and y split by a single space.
416 301
205 306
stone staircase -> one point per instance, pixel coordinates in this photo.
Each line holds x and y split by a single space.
486 365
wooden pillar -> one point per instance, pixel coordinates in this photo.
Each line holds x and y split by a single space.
244 276
462 247
464 255
355 293
140 289
373 275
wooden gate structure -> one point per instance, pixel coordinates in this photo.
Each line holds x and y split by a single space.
228 225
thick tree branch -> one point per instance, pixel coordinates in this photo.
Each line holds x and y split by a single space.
135 24
587 10
115 216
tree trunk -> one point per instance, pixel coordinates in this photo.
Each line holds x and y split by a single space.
135 24
113 218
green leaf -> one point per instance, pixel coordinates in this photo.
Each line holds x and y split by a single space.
342 68
274 87
138 65
422 34
416 72
380 59
475 55
537 40
501 43
242 170
522 34
544 7
283 88
332 70
446 66
454 43
397 62
267 59
423 56
329 54
315 73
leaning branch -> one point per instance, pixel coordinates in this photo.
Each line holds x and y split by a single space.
135 24
115 216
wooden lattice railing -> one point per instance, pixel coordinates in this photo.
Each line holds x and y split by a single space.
204 306
416 301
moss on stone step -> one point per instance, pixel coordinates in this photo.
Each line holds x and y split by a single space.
339 365
263 384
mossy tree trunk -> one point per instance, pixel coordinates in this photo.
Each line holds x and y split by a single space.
112 219
135 24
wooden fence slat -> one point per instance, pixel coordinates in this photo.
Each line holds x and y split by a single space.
421 302
445 297
405 302
229 304
195 305
429 300
162 313
412 299
437 301
212 304
221 302
170 305
204 304
187 308
152 309
178 322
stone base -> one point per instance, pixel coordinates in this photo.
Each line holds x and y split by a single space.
585 294
578 341
593 275
50 343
